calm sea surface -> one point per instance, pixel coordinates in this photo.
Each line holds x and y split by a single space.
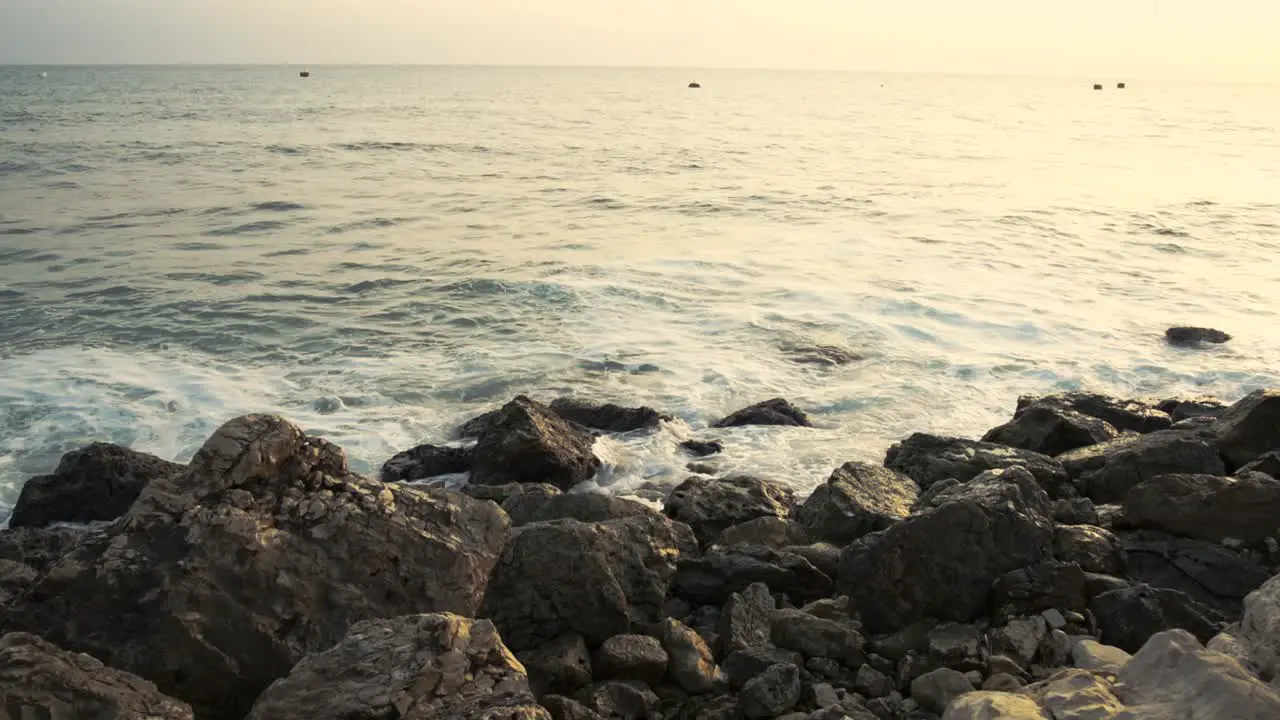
379 253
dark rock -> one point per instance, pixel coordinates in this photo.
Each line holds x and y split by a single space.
563 708
1129 616
710 506
528 443
872 683
957 646
39 548
742 665
771 693
39 680
267 548
1195 423
705 619
709 707
94 483
770 412
631 657
501 493
836 608
823 556
897 645
929 459
702 448
1208 572
420 666
1094 549
562 665
1096 583
620 700
1194 336
827 355
857 499
476 426
690 662
585 507
608 417
426 461
15 578
1250 428
1124 415
1108 471
887 708
817 637
1017 641
1268 464
596 579
1055 649
746 619
769 531
1180 409
697 469
936 495
935 690
710 579
1050 429
1037 587
1075 511
1208 507
994 524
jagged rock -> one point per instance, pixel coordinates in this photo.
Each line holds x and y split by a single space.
631 657
608 417
690 663
1107 472
957 646
712 578
596 579
1268 464
995 523
746 620
1019 639
1075 511
1039 587
529 443
742 665
1235 648
563 708
768 531
1210 573
872 683
502 493
823 556
1129 616
857 499
39 680
930 459
620 700
587 507
710 506
1185 409
267 548
416 667
1208 507
994 706
770 412
96 482
426 461
819 695
702 448
771 693
1260 628
1194 336
1051 430
935 690
562 665
39 548
1174 677
1124 415
817 637
1096 657
1094 549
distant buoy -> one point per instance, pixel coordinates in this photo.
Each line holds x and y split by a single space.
1097 86
304 74
694 85
1119 86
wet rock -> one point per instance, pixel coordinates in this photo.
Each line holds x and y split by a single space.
596 579
690 662
620 700
94 483
1268 464
1260 628
872 683
585 507
267 548
562 665
1174 677
1075 511
710 579
857 499
563 708
529 443
1038 587
817 637
1185 409
608 417
1208 507
502 493
1019 639
702 448
742 665
1129 616
768 531
1251 428
419 666
771 693
1094 549
1050 429
957 646
1194 336
994 706
631 657
426 461
39 548
930 459
746 620
935 690
997 522
770 412
1124 415
710 506
39 680
1108 471
1094 656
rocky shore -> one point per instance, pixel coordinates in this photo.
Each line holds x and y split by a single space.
1091 558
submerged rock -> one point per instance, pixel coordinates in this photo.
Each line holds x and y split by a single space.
1107 472
770 412
857 499
1250 428
94 483
1208 507
1124 415
710 506
1051 430
426 461
528 443
929 459
608 417
1194 336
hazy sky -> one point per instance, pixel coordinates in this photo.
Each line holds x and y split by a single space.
1116 38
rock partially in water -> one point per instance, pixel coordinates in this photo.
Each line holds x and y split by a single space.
1128 617
1184 409
528 443
825 355
1251 428
1107 472
1194 336
702 448
857 499
426 461
710 506
770 412
95 483
1051 430
930 459
1208 507
608 417
476 426
1124 415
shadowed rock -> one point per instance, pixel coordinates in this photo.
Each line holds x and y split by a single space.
528 443
607 417
1268 464
1185 409
1128 617
39 548
1208 507
1251 428
929 459
712 578
770 412
1124 415
426 461
1211 574
97 482
1094 549
582 506
1107 472
702 448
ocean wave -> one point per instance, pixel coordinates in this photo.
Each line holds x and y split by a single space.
251 228
278 206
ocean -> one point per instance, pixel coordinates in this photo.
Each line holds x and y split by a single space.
381 253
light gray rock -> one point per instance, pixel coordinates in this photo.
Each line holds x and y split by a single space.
771 693
1019 639
1173 676
935 690
1076 695
994 706
1094 656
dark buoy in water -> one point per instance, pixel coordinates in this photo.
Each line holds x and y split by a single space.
1119 86
1097 86
694 85
304 74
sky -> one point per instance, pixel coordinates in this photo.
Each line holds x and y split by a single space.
1176 39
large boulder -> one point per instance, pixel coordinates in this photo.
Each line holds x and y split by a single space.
97 482
1124 415
770 412
1260 628
714 577
39 680
267 548
607 417
1173 676
711 505
1050 430
1094 549
1208 507
1128 617
526 508
857 499
999 521
930 459
1251 428
529 443
427 461
596 579
1106 472
417 667
1212 574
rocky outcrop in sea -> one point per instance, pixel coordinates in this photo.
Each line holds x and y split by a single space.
1091 558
